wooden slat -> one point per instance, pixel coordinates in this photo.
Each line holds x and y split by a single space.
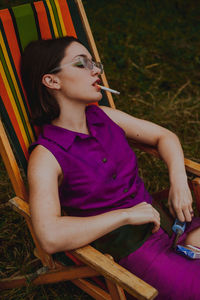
114 272
116 292
192 167
62 274
91 289
93 46
11 164
22 207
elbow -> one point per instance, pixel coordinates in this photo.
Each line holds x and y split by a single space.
167 136
48 239
49 245
52 243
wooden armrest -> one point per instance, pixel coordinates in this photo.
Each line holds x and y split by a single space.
20 206
191 166
115 273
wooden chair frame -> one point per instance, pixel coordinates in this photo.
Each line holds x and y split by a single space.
94 263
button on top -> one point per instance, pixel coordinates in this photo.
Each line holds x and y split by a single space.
114 176
125 190
104 159
133 195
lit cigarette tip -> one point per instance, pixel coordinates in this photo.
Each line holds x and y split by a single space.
109 90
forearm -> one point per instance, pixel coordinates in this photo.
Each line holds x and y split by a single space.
171 151
66 233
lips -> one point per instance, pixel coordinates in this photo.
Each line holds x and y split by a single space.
98 81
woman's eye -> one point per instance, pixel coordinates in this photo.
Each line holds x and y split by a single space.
79 64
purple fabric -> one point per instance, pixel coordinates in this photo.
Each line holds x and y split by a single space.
174 276
100 170
101 174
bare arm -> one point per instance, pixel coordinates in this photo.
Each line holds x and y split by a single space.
59 233
168 145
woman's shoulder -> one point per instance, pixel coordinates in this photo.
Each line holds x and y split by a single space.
101 112
42 160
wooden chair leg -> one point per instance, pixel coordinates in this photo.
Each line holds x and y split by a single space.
116 292
92 290
45 276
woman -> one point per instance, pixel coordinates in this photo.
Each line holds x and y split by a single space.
82 162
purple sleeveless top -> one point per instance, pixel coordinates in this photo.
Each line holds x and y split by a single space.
100 171
100 174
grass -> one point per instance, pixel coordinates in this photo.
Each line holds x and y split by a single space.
150 50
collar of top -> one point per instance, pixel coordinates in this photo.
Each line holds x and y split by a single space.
65 137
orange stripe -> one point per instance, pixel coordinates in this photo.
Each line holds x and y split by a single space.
13 44
43 20
12 117
67 18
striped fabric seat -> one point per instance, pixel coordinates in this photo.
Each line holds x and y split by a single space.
18 26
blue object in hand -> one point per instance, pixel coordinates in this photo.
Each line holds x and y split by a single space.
178 228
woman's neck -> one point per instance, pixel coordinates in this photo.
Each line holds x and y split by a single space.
72 117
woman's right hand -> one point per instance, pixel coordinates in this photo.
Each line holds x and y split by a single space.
144 213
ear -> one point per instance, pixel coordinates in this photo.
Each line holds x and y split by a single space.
51 81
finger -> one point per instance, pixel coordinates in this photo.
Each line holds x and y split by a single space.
180 215
187 214
172 211
156 227
191 210
156 222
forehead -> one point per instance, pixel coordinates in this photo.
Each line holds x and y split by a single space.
74 50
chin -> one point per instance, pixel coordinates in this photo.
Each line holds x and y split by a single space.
99 97
95 99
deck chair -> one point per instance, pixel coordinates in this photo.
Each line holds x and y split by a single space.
20 25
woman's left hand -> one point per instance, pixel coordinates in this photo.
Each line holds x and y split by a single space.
180 202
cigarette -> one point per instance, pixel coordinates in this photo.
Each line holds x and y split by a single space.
107 89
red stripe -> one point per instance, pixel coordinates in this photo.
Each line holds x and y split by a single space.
13 44
12 116
43 20
67 18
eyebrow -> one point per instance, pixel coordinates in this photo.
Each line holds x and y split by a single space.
82 55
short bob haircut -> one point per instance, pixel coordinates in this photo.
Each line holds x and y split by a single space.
38 59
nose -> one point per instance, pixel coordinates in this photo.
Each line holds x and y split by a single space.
95 70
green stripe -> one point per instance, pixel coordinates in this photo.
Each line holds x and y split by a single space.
18 81
49 19
25 23
16 30
55 12
19 154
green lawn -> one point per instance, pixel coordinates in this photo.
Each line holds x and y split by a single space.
151 54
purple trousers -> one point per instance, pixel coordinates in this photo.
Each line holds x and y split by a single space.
174 276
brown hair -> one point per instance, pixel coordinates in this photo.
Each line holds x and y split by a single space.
39 58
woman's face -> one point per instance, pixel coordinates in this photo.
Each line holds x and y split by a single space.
76 81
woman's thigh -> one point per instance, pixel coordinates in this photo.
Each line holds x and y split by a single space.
175 276
193 238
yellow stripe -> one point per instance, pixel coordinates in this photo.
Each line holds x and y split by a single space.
52 19
60 18
12 100
16 86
